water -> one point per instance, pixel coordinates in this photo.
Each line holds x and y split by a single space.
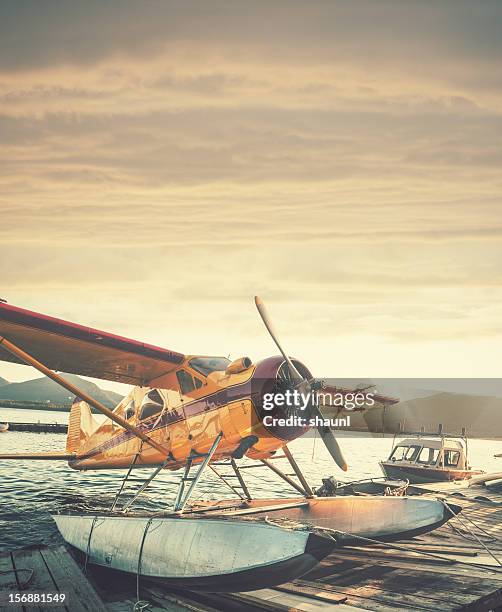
31 490
19 415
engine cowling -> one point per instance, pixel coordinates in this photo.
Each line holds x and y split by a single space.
239 365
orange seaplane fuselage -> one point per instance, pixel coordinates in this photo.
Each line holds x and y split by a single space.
181 408
183 412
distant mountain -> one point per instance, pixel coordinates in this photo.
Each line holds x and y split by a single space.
44 390
396 388
481 415
3 382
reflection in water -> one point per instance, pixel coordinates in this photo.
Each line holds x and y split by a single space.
31 491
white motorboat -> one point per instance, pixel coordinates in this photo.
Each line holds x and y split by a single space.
425 458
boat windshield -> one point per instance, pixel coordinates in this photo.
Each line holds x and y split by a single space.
405 453
428 456
206 365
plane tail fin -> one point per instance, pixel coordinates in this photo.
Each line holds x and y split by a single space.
81 425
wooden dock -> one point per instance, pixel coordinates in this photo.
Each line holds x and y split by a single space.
449 569
39 427
46 570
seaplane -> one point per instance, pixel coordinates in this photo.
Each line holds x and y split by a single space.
196 413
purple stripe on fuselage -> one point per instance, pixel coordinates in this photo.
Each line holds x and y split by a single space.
194 408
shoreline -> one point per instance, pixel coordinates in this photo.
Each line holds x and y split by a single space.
38 406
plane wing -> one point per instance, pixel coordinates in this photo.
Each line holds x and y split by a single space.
76 349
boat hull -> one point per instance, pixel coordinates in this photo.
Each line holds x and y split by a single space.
378 517
207 554
422 475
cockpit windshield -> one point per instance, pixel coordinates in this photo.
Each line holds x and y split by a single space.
206 365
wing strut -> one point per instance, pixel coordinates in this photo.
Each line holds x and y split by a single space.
15 350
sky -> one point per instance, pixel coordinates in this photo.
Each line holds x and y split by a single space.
162 162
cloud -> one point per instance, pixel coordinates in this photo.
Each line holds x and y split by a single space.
161 162
83 33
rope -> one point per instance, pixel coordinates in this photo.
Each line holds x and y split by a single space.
388 545
141 605
469 530
488 535
22 585
88 548
397 491
399 547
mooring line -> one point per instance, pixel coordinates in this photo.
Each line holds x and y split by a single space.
489 535
469 530
447 560
88 549
141 605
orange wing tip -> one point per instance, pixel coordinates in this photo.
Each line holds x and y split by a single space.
345 467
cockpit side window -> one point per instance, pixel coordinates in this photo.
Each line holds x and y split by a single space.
451 458
152 404
185 381
206 365
130 410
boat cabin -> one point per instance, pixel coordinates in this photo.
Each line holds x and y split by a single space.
431 453
429 458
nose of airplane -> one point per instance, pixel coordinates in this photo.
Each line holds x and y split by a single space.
283 414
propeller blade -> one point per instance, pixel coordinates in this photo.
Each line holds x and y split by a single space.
305 387
331 443
295 375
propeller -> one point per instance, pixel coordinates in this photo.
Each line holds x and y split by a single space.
294 374
305 386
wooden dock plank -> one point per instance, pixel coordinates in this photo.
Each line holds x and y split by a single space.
433 587
417 587
8 580
39 580
179 601
312 590
470 573
370 597
69 578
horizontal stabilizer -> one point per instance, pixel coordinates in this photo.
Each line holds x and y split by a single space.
46 456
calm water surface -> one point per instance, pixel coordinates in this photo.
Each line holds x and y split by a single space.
31 490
